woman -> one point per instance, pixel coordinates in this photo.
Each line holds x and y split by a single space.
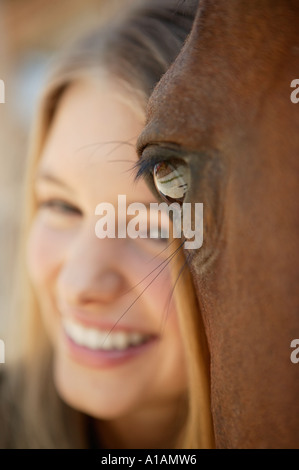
106 357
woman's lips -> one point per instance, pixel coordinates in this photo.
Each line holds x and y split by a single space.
103 347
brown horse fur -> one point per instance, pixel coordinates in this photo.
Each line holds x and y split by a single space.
224 108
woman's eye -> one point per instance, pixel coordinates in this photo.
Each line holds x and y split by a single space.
59 206
172 180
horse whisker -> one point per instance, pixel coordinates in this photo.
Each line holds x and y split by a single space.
138 297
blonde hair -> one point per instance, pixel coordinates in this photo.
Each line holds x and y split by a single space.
34 416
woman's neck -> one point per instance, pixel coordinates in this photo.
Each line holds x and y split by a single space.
154 428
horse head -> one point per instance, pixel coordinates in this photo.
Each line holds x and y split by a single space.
223 111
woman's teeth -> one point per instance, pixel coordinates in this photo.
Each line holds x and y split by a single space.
100 339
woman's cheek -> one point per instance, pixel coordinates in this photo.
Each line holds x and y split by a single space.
157 283
45 252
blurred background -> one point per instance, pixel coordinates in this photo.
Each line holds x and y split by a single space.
31 31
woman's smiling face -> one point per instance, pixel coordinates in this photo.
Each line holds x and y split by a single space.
109 360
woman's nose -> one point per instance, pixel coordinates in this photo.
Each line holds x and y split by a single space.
91 271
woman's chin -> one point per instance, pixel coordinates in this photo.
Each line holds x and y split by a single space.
83 390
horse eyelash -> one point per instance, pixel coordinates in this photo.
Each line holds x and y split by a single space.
143 168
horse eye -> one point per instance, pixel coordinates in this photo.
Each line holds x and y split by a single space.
171 180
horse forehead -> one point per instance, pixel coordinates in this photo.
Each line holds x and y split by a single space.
225 73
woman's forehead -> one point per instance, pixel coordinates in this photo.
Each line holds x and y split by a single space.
91 114
93 125
90 146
